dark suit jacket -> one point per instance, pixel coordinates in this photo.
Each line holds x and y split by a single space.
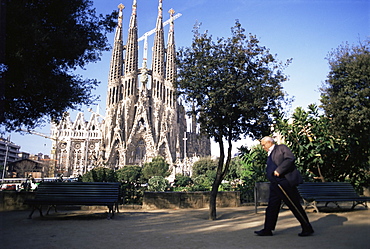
282 160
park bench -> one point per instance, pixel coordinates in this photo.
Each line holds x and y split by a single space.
313 193
52 194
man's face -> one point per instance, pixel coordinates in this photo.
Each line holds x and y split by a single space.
266 145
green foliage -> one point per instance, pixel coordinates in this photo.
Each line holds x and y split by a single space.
183 181
254 167
236 169
202 183
43 47
158 184
206 167
345 100
157 167
204 174
320 153
345 96
131 178
100 174
254 170
129 174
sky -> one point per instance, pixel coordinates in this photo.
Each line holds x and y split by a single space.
302 30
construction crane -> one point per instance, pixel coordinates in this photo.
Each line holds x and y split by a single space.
145 36
58 142
42 135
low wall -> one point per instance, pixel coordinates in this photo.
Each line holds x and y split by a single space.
179 200
13 200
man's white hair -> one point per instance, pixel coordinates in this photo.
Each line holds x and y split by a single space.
269 139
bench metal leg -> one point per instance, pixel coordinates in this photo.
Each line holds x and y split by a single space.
355 203
116 207
50 206
33 210
313 204
110 212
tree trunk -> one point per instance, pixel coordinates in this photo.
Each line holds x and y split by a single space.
212 199
222 170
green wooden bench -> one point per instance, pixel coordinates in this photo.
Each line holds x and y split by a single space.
313 193
52 194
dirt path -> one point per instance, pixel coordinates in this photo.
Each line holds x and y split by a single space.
180 229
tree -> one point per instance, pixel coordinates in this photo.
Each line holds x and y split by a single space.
320 154
157 167
182 180
100 174
129 174
205 166
235 169
157 184
234 85
43 48
345 98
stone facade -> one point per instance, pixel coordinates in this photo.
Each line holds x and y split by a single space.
76 145
143 118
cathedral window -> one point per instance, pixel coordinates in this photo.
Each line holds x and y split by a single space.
140 151
171 98
163 92
129 87
108 97
114 95
141 123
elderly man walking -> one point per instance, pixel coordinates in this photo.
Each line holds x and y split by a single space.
284 177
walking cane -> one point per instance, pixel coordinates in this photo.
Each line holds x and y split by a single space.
290 200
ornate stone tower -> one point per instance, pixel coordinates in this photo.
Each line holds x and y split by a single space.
143 117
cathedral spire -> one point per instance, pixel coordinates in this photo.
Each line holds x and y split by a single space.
131 58
158 48
115 71
171 52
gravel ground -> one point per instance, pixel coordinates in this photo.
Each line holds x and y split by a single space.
182 228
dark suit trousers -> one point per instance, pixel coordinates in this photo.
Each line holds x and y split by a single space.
274 204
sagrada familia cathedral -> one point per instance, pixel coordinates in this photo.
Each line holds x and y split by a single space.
144 117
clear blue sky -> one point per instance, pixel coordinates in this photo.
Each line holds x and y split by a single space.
304 30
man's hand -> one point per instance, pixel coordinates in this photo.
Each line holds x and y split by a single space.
276 173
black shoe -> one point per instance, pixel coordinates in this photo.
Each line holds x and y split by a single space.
306 233
263 232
